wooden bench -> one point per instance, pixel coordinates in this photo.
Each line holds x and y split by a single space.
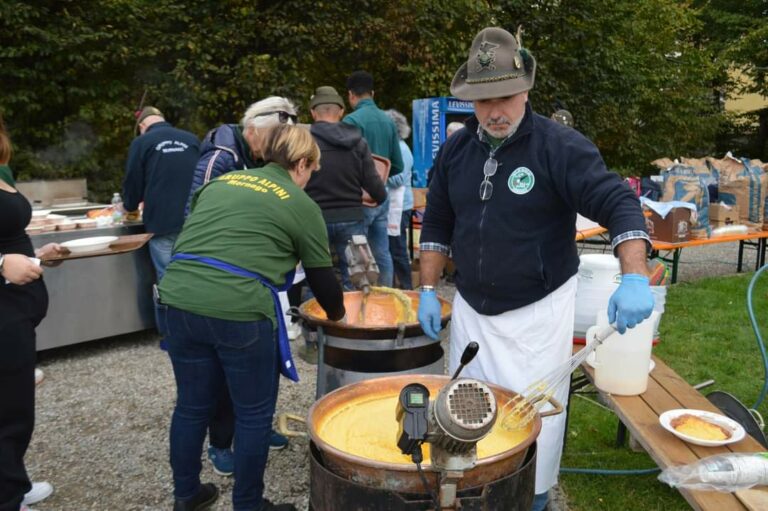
640 414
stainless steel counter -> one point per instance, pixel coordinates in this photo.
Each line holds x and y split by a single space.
96 297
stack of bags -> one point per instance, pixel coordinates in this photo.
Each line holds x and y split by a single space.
727 192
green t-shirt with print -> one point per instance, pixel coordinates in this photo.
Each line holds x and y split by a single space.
255 219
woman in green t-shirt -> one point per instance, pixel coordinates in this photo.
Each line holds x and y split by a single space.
246 232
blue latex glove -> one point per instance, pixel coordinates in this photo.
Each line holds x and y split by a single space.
631 303
429 313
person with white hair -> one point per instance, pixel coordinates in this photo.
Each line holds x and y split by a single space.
225 149
400 218
452 128
238 146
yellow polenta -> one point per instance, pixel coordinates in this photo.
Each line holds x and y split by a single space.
367 427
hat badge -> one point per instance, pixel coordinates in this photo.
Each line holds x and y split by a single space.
486 56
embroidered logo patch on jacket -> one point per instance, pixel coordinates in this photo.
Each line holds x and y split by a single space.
521 181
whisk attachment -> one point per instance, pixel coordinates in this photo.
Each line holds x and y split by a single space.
519 411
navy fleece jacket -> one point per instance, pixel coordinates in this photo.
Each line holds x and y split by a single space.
519 246
159 172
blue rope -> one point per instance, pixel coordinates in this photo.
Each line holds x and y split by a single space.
760 343
610 472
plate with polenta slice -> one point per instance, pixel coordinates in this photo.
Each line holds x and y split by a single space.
701 427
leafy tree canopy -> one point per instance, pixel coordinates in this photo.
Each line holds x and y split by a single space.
636 74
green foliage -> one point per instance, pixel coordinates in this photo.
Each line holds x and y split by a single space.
634 80
734 35
74 72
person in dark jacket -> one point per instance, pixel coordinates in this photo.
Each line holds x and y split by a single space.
347 170
159 172
225 149
503 203
238 146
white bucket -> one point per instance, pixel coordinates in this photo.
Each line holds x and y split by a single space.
599 276
622 360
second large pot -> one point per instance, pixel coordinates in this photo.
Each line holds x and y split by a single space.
403 477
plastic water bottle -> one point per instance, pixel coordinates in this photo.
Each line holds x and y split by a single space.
117 211
721 472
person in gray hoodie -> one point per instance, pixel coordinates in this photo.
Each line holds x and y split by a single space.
346 169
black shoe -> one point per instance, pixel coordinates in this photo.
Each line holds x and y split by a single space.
268 506
206 495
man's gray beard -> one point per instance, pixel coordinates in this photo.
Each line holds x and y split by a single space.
513 129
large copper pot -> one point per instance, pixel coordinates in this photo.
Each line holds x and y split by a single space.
401 477
314 316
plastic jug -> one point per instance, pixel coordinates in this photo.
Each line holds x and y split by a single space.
622 360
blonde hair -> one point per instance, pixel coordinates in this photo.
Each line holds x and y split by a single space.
6 149
286 145
263 114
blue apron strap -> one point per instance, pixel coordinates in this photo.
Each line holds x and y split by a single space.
287 366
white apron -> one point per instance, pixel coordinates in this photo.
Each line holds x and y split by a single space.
395 214
518 348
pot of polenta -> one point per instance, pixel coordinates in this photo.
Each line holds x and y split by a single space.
383 314
355 430
381 337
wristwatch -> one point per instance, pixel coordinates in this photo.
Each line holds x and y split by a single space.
426 288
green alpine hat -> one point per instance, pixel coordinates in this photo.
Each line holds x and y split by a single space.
496 67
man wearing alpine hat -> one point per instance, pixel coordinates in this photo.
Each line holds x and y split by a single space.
503 203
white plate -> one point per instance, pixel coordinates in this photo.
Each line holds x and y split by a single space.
737 432
591 362
40 213
93 244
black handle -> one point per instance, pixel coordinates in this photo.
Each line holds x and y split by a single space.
469 353
294 312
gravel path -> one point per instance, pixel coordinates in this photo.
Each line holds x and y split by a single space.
104 409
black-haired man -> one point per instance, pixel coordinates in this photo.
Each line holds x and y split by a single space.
381 134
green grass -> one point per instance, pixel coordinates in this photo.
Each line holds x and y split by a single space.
705 334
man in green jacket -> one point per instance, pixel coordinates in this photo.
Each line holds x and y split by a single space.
381 134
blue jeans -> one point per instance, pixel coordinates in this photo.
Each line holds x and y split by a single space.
339 234
376 228
207 353
540 501
398 247
160 250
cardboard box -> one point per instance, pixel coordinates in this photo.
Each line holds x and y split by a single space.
724 215
674 228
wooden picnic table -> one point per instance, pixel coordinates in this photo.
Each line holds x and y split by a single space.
759 240
756 239
640 414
